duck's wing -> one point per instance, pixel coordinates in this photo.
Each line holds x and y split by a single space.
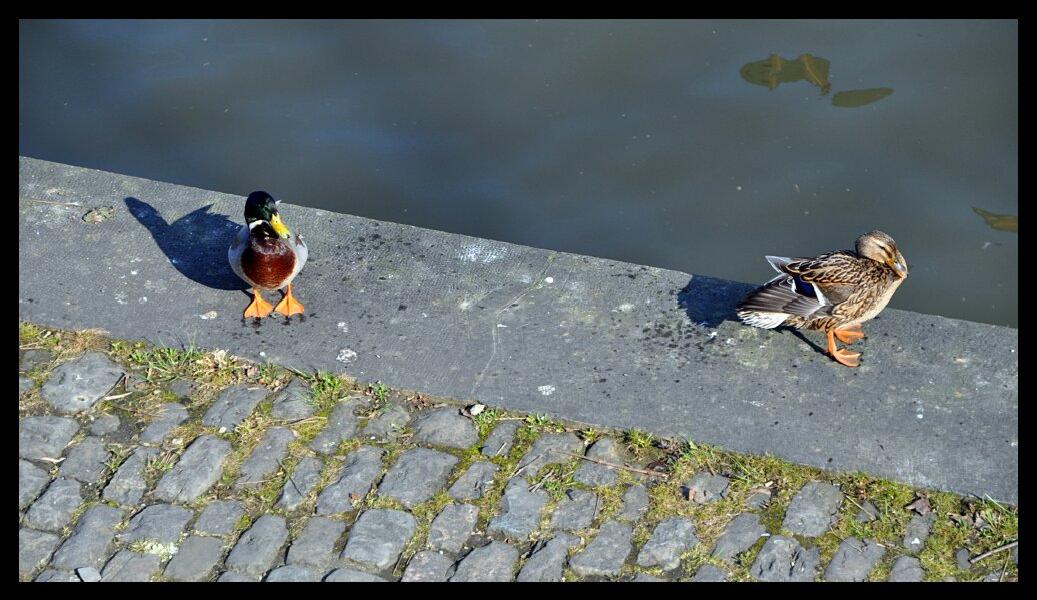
833 276
237 248
301 254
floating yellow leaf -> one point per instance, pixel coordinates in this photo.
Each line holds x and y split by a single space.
854 98
775 70
1002 222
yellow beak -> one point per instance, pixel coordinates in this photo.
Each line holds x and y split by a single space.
279 226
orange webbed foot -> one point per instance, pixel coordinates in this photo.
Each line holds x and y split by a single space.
288 305
849 334
841 355
259 308
847 358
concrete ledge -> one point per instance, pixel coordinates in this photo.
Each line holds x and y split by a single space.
934 404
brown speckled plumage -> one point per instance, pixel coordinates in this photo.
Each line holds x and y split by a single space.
853 286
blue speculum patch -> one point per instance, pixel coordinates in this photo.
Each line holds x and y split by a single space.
804 288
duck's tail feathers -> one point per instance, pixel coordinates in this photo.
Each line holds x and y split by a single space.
774 302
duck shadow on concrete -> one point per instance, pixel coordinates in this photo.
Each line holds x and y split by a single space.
196 243
709 302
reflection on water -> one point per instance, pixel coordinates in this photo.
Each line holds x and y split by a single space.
776 70
854 98
1002 222
631 140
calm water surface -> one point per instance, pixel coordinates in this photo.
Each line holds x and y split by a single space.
692 145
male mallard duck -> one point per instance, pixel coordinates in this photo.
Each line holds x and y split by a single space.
834 292
267 256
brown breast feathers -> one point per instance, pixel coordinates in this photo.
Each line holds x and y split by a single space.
267 261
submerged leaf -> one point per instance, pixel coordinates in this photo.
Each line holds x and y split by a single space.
1002 222
855 98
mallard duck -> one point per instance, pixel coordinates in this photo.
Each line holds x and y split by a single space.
267 256
834 292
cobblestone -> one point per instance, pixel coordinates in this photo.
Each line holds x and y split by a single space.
499 442
906 568
342 423
416 476
854 559
493 562
162 523
168 416
157 517
709 573
350 575
445 427
130 566
547 559
31 481
813 509
196 560
88 544
77 385
315 545
635 503
266 457
104 424
197 471
34 549
44 437
606 553
54 509
474 482
548 449
519 510
576 510
594 474
293 402
918 531
258 549
362 467
300 483
293 573
783 559
670 539
739 536
219 517
232 406
378 537
705 488
387 424
127 486
86 461
428 565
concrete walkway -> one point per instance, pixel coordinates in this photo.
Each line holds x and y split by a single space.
935 402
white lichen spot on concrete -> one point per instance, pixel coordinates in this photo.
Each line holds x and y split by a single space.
209 315
502 325
346 355
549 279
143 299
546 390
464 305
261 353
625 308
342 327
134 272
120 298
480 253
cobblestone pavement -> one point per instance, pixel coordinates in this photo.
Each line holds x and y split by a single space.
129 473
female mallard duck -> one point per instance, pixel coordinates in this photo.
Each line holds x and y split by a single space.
834 292
267 256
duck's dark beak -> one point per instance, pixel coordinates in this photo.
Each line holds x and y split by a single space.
900 266
279 227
